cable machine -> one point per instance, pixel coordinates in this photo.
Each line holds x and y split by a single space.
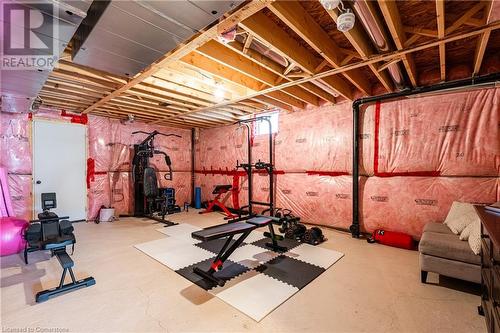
148 198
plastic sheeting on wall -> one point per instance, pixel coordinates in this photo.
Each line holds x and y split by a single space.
315 140
406 204
15 152
181 182
110 146
321 200
454 134
20 191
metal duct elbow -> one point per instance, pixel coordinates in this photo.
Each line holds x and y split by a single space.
372 24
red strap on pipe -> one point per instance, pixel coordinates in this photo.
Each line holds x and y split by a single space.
234 172
326 173
90 171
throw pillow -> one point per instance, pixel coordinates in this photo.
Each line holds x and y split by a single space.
464 235
459 216
475 237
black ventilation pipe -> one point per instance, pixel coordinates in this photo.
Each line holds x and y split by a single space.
466 83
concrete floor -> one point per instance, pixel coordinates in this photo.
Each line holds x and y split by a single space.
373 288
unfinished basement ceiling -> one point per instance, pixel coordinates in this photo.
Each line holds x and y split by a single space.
123 37
287 55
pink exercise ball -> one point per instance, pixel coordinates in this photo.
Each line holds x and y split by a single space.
11 235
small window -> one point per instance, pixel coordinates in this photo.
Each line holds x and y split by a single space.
262 127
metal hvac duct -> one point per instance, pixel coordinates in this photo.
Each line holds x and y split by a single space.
370 21
124 37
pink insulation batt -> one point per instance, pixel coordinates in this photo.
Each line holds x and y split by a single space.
110 146
453 136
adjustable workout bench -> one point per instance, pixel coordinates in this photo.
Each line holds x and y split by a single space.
219 190
230 230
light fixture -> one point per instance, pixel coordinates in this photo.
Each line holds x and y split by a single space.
130 119
346 20
330 4
35 104
219 93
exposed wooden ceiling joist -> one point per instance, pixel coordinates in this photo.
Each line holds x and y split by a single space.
441 32
318 64
391 14
232 59
371 60
277 69
294 15
224 72
361 42
273 36
482 40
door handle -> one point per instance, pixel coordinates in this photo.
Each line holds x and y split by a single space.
38 182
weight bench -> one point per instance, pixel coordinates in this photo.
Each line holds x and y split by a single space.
243 228
219 190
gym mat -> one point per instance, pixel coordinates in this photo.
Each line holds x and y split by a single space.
258 280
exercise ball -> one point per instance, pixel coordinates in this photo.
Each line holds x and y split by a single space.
11 235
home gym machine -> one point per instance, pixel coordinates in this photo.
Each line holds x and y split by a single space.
149 200
54 233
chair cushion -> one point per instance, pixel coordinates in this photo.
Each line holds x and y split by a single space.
447 246
439 228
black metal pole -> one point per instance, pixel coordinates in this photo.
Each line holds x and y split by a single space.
271 169
192 165
249 170
354 228
466 83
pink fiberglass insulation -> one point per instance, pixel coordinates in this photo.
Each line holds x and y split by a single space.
181 182
121 192
455 134
111 148
315 140
220 148
20 191
6 209
111 145
15 152
406 204
319 200
99 194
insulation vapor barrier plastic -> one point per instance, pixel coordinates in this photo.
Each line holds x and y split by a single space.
110 152
418 155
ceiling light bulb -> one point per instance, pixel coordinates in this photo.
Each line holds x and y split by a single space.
219 93
345 21
330 4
